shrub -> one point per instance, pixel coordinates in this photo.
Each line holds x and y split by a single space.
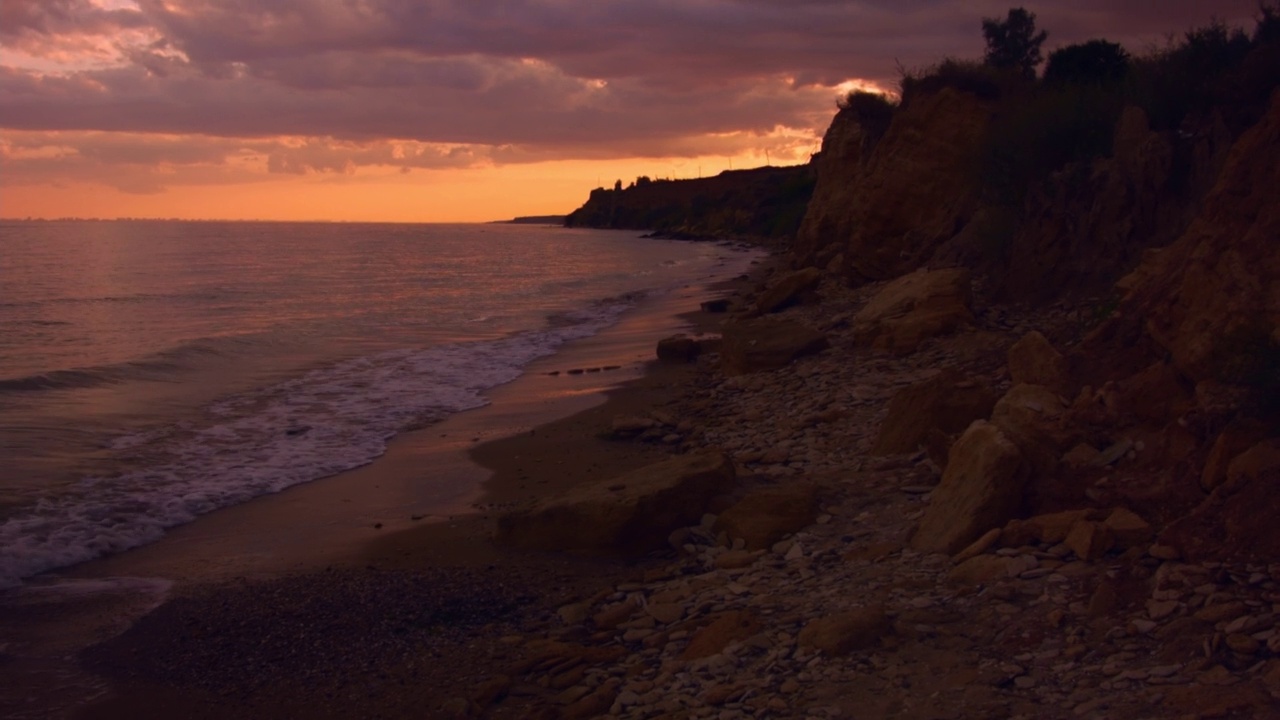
984 81
873 112
1093 62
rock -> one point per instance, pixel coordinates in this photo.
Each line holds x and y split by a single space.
734 559
614 615
1081 456
1242 644
665 613
678 349
765 515
845 632
1228 523
788 291
718 305
1032 417
1033 361
947 402
1128 528
1239 435
981 489
595 705
727 627
1089 540
979 546
624 425
1049 528
767 344
914 308
631 514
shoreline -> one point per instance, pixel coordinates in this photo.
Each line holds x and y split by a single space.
223 550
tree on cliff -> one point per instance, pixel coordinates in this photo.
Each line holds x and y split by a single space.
1013 43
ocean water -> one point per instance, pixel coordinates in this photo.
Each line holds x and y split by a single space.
151 372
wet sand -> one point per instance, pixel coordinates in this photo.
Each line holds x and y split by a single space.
404 537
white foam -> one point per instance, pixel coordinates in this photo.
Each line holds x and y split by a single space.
327 421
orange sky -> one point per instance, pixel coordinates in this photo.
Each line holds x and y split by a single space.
455 110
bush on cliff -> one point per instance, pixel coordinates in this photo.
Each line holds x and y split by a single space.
1094 62
1013 43
873 111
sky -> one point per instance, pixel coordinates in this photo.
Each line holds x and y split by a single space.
456 110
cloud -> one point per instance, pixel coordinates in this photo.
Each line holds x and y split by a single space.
320 86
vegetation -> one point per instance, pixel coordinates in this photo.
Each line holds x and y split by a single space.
1094 62
1013 43
874 112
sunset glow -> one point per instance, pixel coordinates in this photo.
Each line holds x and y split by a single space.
447 111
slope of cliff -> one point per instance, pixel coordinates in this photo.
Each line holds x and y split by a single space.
765 202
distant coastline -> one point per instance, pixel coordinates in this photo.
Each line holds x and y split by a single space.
534 220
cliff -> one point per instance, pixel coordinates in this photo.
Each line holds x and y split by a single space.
765 202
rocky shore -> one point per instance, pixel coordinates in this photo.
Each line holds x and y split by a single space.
802 585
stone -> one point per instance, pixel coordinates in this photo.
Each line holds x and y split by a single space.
1128 528
724 628
1032 417
628 515
1228 523
1089 540
979 569
788 291
980 489
1033 361
915 307
844 632
767 344
1222 612
1080 456
1243 644
763 516
678 349
614 615
665 613
718 305
948 402
734 559
1049 528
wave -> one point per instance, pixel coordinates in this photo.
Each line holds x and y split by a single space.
327 421
154 366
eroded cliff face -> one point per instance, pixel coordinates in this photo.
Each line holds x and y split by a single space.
1216 291
887 211
1089 223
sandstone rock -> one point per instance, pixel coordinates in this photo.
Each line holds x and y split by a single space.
845 632
718 305
1082 455
948 402
1089 540
1128 529
724 629
979 546
914 308
767 344
788 291
765 515
630 514
981 489
678 349
1033 361
665 613
734 559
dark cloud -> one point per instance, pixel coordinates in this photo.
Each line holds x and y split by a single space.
512 80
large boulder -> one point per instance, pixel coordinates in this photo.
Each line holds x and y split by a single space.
1034 418
767 344
764 516
678 349
948 402
981 489
788 291
628 515
914 308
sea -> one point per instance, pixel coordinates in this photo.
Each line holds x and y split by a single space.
155 371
